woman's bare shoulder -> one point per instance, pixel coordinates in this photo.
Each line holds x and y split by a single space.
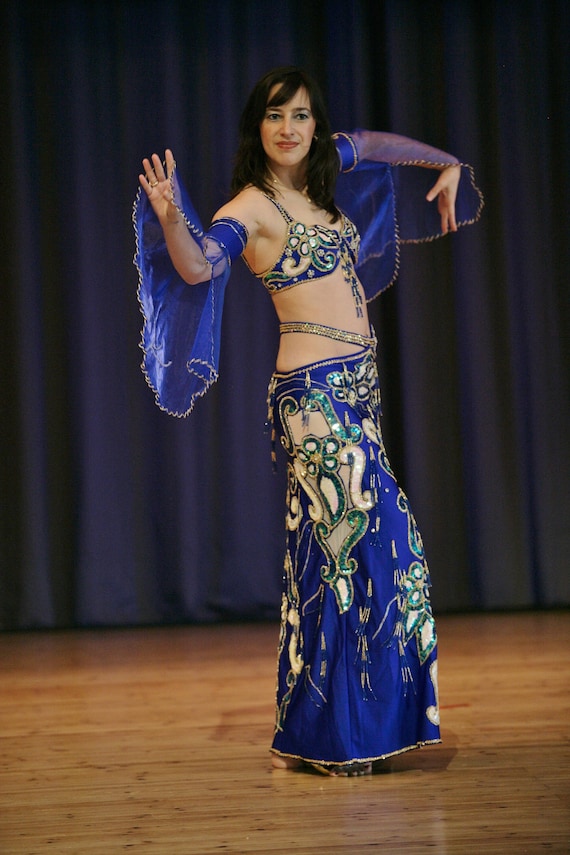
247 206
252 208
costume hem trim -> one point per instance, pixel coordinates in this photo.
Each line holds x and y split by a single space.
370 759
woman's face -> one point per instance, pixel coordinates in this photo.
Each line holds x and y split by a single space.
287 131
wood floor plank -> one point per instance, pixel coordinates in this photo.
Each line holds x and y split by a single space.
156 741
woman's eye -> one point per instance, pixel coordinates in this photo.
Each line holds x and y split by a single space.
302 116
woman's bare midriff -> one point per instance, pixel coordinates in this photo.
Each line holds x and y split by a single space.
328 302
299 349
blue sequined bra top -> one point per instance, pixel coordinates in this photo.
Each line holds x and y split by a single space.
311 252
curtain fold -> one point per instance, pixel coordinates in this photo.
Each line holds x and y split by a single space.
115 514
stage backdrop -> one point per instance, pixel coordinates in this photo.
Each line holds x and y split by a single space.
114 513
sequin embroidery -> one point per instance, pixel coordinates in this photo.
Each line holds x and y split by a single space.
313 251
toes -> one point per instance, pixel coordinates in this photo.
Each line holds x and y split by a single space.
347 770
354 771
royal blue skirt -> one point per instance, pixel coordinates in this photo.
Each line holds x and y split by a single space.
357 656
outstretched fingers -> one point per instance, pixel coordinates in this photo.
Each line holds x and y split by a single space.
155 178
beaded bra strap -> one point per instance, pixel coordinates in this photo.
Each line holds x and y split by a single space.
284 213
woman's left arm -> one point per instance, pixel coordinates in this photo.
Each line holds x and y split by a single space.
397 150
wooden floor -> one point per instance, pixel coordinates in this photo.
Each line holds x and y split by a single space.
156 741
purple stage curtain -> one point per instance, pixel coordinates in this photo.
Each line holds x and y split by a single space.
114 513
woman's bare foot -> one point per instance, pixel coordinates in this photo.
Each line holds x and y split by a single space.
279 762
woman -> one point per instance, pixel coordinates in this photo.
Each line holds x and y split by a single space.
357 670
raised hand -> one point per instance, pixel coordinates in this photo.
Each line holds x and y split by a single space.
155 181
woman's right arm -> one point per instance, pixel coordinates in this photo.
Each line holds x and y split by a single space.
186 255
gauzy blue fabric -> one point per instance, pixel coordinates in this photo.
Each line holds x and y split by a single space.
366 195
182 323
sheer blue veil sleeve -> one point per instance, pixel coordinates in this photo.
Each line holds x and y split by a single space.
382 188
181 330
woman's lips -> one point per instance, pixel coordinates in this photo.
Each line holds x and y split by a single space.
287 146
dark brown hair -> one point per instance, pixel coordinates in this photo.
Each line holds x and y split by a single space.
251 161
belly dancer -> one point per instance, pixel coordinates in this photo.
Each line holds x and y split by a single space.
357 649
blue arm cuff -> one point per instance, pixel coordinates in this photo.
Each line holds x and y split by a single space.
230 235
347 152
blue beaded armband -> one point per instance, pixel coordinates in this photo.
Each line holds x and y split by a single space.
347 152
230 235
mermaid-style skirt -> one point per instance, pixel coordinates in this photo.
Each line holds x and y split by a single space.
357 657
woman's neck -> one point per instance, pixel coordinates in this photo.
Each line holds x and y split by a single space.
286 182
